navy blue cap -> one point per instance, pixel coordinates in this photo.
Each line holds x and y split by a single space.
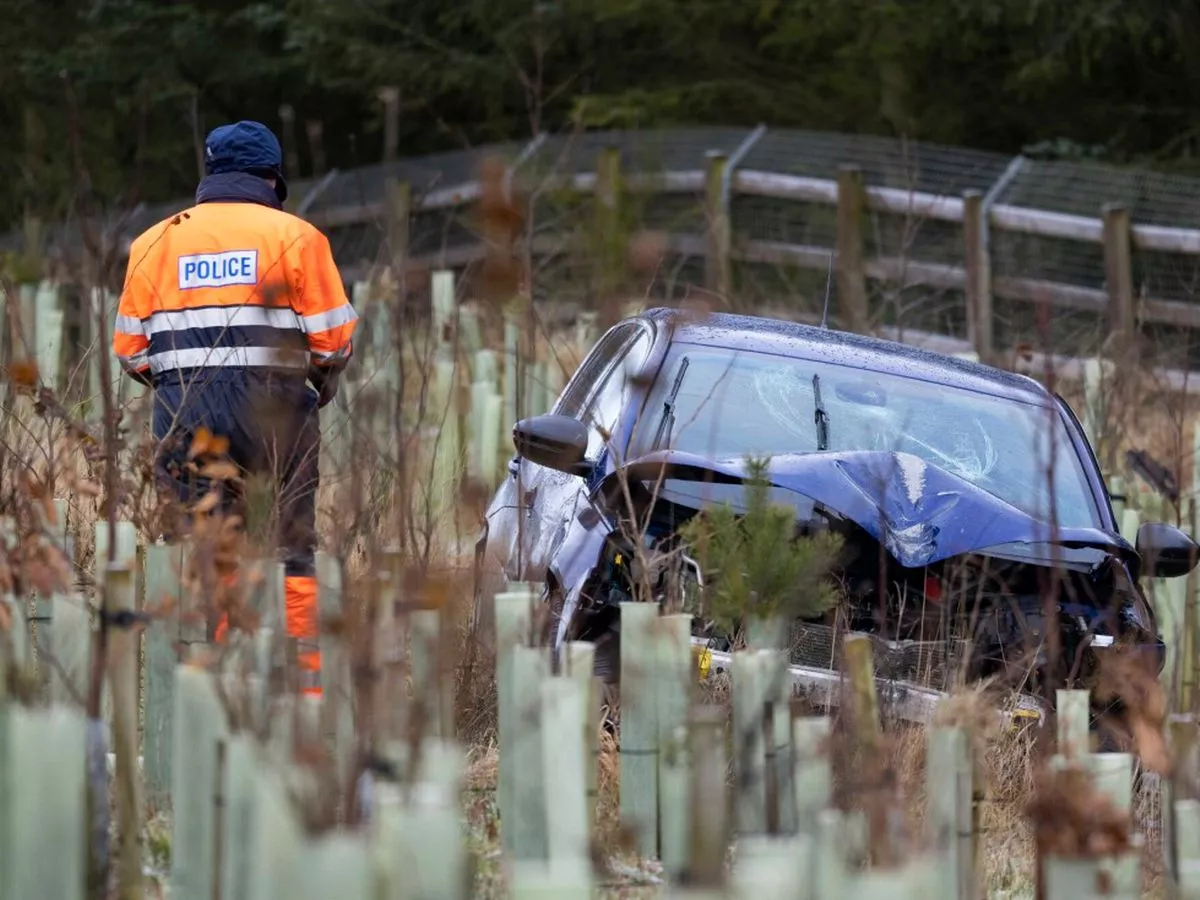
245 147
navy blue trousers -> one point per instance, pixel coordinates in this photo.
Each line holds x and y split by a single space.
271 422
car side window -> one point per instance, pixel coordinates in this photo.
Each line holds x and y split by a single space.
591 371
614 393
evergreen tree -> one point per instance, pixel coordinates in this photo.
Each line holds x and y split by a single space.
755 566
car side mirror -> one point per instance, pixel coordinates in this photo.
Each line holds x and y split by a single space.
1166 551
556 442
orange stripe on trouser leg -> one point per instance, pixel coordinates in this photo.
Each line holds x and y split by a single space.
222 629
301 607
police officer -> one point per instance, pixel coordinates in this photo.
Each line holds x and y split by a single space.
235 314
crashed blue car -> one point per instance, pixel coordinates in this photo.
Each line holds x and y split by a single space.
964 495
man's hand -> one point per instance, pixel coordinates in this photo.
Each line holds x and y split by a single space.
326 383
141 377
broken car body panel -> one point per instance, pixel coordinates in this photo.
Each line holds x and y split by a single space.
919 512
557 528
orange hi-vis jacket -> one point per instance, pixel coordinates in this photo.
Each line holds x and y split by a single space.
232 285
235 287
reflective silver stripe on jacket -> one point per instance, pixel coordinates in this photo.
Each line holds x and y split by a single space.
238 357
341 315
281 317
135 362
129 325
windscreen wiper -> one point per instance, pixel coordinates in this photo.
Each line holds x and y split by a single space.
667 422
820 416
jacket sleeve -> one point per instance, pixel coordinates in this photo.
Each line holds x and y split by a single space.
329 319
131 343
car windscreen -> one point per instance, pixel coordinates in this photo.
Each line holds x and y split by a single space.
727 404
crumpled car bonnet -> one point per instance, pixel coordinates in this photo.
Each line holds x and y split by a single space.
919 512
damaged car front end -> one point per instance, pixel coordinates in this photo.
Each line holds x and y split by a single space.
977 538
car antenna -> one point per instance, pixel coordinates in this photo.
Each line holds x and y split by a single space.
828 284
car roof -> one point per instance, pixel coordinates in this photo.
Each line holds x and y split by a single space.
800 341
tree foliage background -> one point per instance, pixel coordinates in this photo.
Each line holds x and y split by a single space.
124 89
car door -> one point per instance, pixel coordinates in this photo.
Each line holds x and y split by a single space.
548 500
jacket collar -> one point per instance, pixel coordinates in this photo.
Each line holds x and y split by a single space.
236 187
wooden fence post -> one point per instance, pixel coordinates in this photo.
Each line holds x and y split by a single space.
444 314
120 598
980 324
125 553
1118 274
398 196
609 253
851 277
717 268
389 96
709 833
860 670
